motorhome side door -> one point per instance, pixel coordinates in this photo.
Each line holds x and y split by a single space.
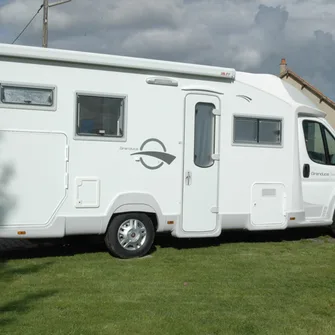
317 159
200 184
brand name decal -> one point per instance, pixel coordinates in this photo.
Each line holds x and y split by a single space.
322 174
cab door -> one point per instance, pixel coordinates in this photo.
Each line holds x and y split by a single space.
317 159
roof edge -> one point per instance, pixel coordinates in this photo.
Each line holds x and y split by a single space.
99 59
303 110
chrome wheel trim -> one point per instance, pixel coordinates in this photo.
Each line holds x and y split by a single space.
132 234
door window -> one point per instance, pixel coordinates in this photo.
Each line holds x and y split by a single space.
203 134
320 143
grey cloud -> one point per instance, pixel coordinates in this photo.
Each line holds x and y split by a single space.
93 17
263 36
315 61
271 18
174 45
247 35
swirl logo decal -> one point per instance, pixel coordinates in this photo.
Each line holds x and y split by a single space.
154 155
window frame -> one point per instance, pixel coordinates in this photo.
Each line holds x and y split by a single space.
213 134
257 143
97 137
323 129
15 105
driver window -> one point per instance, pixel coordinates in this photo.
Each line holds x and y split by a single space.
314 142
320 143
331 146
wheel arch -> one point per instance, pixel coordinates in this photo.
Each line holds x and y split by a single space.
134 203
331 207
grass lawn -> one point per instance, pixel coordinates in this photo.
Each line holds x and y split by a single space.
240 284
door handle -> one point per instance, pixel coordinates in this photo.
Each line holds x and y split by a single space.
188 178
306 170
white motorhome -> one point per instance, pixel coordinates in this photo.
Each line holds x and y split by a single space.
127 148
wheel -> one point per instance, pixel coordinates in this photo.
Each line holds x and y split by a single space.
130 235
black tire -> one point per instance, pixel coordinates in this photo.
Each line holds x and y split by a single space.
332 227
111 237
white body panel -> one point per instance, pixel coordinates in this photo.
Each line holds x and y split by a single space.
37 187
268 205
65 183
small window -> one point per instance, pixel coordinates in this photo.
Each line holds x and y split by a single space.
257 131
203 134
26 95
100 116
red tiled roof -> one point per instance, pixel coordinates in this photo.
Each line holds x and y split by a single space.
306 84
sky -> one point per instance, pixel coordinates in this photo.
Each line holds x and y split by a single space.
246 35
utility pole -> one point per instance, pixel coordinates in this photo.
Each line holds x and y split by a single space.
45 23
46 6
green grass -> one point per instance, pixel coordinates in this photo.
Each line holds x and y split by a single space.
232 288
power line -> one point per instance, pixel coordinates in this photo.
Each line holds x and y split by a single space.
28 24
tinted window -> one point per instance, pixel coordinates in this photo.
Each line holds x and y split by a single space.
331 146
315 138
245 130
269 132
203 134
257 131
100 116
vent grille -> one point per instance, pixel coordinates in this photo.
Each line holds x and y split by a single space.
268 192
